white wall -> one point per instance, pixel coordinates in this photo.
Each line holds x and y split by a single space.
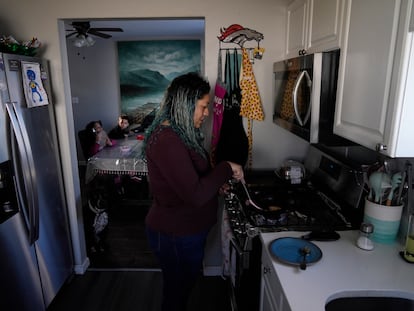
94 85
271 144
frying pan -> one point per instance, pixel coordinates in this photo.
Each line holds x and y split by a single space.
265 206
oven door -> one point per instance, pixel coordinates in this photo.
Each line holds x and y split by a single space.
245 275
239 261
236 268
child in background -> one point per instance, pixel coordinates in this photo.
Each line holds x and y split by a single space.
122 129
101 138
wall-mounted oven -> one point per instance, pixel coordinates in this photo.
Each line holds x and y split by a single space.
305 96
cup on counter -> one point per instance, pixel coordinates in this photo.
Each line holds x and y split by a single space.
409 243
386 221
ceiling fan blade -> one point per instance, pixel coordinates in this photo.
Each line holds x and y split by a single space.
99 34
71 34
108 29
81 25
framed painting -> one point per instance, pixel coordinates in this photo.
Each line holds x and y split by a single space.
146 68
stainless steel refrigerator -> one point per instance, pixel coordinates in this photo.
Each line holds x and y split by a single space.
36 255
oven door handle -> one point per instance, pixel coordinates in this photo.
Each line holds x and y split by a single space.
302 75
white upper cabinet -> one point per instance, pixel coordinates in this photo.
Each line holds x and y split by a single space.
374 100
313 26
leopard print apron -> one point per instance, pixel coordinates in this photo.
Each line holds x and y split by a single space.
251 104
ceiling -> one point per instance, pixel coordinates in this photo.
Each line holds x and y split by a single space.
147 28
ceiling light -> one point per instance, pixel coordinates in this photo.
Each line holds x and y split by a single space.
83 41
89 41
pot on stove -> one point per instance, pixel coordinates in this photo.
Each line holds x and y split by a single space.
292 171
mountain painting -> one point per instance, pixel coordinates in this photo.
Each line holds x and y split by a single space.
146 68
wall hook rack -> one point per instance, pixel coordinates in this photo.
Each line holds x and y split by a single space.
238 34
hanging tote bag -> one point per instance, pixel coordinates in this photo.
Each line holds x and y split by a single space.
233 143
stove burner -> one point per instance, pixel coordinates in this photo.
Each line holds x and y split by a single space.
298 208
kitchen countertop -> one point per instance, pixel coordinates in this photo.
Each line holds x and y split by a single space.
343 269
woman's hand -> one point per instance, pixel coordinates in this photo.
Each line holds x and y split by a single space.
224 189
237 169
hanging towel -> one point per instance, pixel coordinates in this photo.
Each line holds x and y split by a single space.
226 236
251 104
218 108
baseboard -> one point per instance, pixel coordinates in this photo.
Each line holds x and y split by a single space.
213 270
81 269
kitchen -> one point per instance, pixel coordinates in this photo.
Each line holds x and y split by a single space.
266 16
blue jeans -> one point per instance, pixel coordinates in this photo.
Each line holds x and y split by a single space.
181 260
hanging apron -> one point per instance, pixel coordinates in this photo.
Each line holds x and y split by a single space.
233 143
251 104
218 108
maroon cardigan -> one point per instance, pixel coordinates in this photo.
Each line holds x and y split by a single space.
183 185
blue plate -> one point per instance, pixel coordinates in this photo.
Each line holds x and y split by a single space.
289 250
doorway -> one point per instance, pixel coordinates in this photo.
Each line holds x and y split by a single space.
93 85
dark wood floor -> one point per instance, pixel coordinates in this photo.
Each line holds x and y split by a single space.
133 290
125 275
123 242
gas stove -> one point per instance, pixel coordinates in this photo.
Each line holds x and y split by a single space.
292 208
328 200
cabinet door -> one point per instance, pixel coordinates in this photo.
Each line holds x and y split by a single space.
272 297
325 21
296 26
366 67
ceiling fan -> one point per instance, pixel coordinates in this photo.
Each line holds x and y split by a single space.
85 29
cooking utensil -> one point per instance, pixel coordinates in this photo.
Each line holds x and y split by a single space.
400 188
395 182
243 182
321 235
305 252
377 182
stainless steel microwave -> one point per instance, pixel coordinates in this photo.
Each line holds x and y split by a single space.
305 95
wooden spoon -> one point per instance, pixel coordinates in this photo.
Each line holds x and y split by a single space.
395 182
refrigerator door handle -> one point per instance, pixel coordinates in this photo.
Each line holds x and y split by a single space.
27 163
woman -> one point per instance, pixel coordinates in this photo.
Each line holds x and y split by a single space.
183 185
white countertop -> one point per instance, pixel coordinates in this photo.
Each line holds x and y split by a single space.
343 269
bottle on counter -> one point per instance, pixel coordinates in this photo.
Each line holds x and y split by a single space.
409 243
364 239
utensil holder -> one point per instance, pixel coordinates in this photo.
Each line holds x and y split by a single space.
386 221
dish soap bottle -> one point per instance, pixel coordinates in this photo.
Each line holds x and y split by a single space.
364 241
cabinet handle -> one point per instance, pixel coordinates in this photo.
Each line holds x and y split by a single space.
380 147
302 52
